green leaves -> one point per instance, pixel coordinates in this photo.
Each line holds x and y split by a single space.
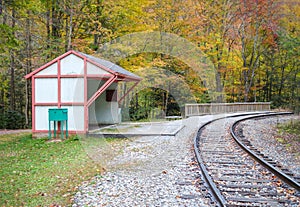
253 45
8 40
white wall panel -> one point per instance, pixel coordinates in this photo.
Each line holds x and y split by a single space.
41 117
72 90
95 70
72 64
75 117
106 112
92 114
101 111
46 90
50 70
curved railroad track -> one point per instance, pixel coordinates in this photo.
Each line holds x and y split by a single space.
233 176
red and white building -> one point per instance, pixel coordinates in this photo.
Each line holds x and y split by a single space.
85 85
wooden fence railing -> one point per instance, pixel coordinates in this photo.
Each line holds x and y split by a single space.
217 108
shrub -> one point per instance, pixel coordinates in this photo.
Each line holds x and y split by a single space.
12 120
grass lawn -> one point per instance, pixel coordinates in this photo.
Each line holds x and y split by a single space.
289 134
292 127
35 172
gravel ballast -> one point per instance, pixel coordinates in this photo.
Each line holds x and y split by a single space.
160 170
150 171
263 134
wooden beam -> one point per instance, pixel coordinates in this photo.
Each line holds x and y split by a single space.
130 89
101 90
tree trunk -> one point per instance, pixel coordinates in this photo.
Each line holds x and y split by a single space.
219 89
99 12
28 68
166 101
48 30
282 80
55 20
12 66
12 81
69 46
1 7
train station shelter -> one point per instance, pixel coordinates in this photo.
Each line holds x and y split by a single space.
84 85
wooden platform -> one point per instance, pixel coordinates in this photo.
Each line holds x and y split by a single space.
170 128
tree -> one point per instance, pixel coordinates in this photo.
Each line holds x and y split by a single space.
282 59
211 25
253 44
257 24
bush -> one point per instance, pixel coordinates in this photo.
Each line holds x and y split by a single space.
2 121
12 120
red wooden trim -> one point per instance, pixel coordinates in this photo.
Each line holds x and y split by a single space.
72 76
45 76
101 90
130 89
100 76
72 103
105 68
86 108
41 68
62 104
46 104
83 57
82 76
33 103
89 76
102 67
75 76
94 76
91 61
70 132
48 64
128 78
78 54
114 77
58 84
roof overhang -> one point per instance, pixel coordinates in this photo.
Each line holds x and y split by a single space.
113 69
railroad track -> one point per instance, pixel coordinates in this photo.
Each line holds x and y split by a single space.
233 176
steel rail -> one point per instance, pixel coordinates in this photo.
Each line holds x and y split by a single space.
284 177
217 194
214 189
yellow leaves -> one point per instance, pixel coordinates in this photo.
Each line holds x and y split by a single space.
135 62
158 62
128 16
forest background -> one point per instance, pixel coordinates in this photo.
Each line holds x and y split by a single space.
253 45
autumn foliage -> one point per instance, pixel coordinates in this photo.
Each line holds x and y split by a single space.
253 45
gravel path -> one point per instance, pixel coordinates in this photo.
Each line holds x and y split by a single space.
262 133
151 171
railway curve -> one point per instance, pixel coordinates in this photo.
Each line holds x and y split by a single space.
235 178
